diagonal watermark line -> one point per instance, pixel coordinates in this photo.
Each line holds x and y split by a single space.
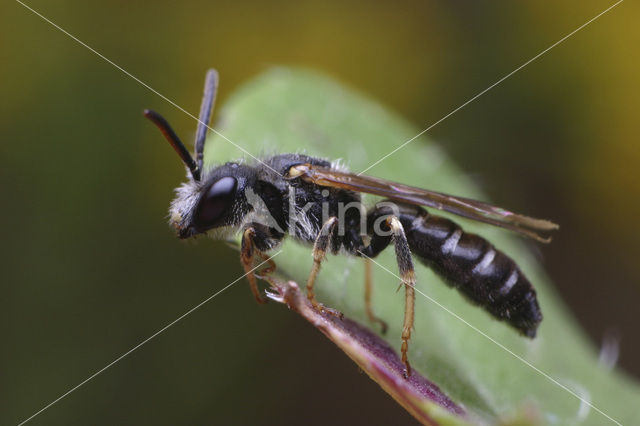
492 86
144 341
500 345
127 73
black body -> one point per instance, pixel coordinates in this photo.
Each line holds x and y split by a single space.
317 203
468 262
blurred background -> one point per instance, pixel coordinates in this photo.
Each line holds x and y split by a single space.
89 267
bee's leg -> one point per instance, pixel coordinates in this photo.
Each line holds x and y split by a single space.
247 253
368 287
256 240
320 247
264 273
391 230
408 276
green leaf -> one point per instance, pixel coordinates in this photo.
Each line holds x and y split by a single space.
288 110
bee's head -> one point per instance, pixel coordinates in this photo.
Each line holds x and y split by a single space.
207 201
216 203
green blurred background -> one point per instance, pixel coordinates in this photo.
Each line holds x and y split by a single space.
90 268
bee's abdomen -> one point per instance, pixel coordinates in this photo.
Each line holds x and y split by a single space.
475 267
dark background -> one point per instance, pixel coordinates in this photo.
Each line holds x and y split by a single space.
89 267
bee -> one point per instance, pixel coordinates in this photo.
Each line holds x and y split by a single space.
312 200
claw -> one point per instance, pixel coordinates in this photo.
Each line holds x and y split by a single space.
274 295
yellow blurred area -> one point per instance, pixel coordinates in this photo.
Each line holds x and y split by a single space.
611 167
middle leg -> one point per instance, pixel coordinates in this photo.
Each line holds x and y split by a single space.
320 247
368 288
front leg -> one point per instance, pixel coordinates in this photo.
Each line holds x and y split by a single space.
320 246
247 253
257 238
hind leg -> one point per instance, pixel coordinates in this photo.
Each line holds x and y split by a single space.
394 232
408 276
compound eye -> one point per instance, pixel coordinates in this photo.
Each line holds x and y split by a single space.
215 203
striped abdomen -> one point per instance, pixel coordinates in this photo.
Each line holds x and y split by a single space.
475 267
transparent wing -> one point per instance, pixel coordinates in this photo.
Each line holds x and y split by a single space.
465 207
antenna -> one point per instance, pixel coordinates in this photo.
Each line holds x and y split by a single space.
175 141
208 99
